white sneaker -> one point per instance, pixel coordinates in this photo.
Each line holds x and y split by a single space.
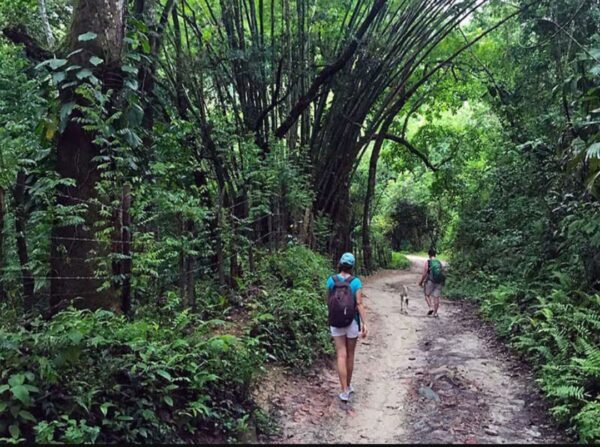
350 389
345 396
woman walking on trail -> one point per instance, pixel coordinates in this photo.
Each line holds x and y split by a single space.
433 277
346 319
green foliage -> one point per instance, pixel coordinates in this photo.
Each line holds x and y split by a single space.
294 267
95 377
524 232
511 128
292 326
586 422
399 261
289 316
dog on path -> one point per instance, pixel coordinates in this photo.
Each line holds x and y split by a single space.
404 299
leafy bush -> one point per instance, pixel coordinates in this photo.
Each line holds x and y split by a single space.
289 317
526 247
295 267
96 377
292 326
562 335
399 261
556 325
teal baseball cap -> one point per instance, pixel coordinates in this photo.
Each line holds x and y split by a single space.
347 259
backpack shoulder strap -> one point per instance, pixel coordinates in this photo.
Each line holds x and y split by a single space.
337 281
349 279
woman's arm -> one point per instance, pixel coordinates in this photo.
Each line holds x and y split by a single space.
361 311
424 275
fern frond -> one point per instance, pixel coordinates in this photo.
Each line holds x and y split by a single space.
567 392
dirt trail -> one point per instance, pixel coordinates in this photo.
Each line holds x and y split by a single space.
417 380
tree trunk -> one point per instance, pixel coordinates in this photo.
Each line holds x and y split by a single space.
219 241
191 283
45 23
333 193
147 71
73 275
237 214
20 227
366 231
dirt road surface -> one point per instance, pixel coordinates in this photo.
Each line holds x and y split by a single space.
417 380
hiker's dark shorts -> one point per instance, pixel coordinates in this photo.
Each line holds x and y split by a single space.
433 289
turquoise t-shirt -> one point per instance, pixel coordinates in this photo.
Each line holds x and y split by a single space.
355 285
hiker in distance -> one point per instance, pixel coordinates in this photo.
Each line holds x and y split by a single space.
346 319
433 277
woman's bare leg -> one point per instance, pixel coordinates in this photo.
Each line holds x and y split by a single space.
428 301
350 348
342 361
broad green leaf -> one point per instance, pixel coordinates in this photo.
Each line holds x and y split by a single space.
21 393
75 336
14 430
94 80
52 63
593 151
129 69
57 63
32 388
65 112
85 73
168 400
16 379
124 417
73 53
165 374
27 416
87 36
69 84
105 406
59 76
95 61
131 84
73 67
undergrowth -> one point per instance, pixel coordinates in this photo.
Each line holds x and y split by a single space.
556 327
399 261
168 375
